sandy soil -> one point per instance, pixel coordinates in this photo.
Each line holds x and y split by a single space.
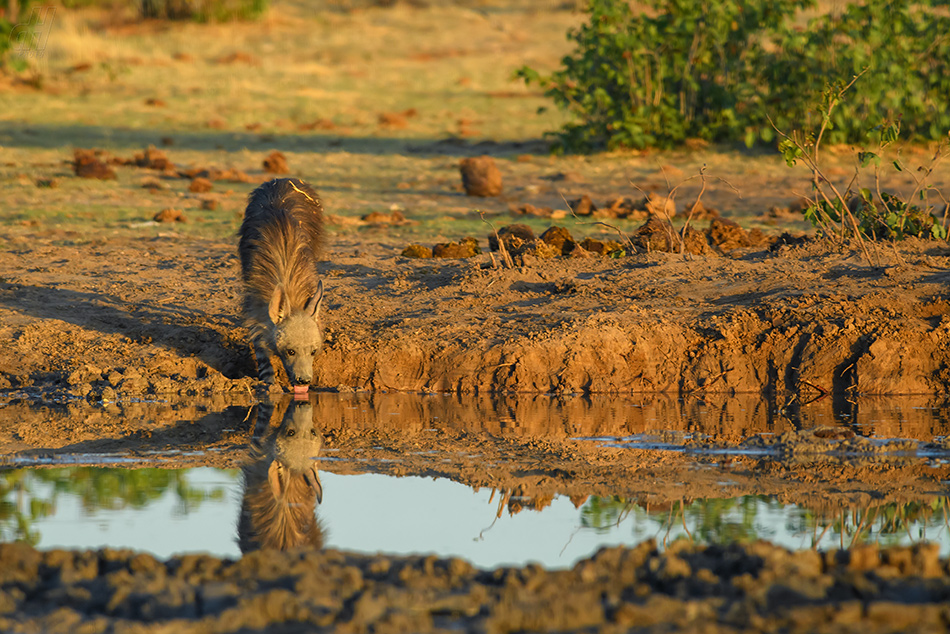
135 316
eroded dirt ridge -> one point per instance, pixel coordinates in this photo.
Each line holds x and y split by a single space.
150 316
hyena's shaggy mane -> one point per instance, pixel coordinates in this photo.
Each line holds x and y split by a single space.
284 522
281 258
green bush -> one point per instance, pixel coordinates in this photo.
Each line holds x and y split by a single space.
719 70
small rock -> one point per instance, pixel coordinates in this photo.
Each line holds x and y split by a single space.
467 248
170 215
417 251
86 164
480 176
559 238
512 235
276 163
200 185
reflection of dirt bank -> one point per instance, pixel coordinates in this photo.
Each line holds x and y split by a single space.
716 589
154 316
819 455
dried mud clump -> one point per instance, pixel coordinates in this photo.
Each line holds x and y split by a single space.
209 204
216 174
657 235
534 249
47 183
583 206
154 159
513 236
276 163
467 248
699 211
727 235
559 238
200 186
480 176
170 215
395 217
527 209
600 247
88 164
416 251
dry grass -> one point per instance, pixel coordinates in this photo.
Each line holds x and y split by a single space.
362 103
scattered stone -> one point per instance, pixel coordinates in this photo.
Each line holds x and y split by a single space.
276 163
395 217
416 251
480 176
622 207
154 159
216 174
559 238
583 206
87 164
698 211
659 235
660 206
170 215
527 209
157 103
512 235
467 248
727 235
209 204
200 186
600 247
534 248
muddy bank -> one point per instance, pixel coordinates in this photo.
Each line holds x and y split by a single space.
150 316
733 588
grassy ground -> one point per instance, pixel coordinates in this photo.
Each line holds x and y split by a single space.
374 105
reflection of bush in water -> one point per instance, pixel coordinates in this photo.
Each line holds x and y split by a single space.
97 488
729 520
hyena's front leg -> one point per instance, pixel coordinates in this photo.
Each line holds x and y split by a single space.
265 371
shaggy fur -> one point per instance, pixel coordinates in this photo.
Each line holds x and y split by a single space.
280 241
281 482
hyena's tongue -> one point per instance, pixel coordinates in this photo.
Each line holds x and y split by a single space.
301 389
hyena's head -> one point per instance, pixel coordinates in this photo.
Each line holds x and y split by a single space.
296 334
298 441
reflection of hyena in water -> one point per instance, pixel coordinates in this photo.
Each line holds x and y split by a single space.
280 241
281 482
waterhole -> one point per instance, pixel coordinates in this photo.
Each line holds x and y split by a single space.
497 481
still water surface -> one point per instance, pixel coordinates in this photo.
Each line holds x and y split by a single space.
167 511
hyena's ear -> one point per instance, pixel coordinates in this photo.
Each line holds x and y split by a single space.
313 304
275 478
276 307
312 477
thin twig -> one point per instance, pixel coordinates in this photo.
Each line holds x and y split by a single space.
505 257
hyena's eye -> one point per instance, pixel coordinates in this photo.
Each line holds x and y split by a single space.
313 353
291 432
291 353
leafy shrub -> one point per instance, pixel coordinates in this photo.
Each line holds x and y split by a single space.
719 70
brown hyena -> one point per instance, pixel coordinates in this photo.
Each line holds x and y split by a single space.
281 482
280 242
